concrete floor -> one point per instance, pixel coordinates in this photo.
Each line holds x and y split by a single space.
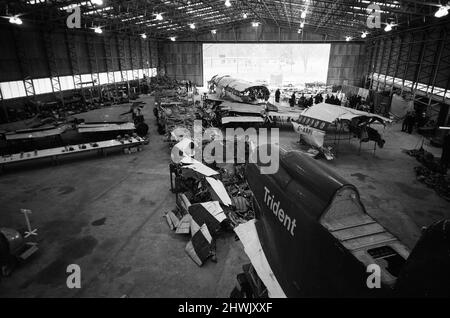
105 214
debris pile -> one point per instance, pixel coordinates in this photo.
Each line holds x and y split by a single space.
209 202
175 114
163 82
431 172
435 180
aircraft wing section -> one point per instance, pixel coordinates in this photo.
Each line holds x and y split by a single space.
249 237
329 113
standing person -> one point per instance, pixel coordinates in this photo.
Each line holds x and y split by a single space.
405 121
410 123
332 100
292 100
317 98
190 85
301 101
277 95
187 86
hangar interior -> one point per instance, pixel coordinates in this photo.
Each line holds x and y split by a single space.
96 95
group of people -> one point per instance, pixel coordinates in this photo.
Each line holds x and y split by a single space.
333 100
355 101
305 102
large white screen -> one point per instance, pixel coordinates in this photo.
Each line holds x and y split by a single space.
274 64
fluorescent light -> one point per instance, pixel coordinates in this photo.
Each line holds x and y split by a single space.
299 31
192 25
227 3
159 16
348 38
213 31
364 34
303 14
245 15
172 38
15 20
388 27
97 2
98 30
441 12
255 24
302 24
144 36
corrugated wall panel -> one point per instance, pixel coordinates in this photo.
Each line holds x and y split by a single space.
9 64
33 47
346 64
183 61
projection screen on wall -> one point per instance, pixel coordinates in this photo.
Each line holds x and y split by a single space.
273 64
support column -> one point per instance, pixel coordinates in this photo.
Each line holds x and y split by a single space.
93 63
108 58
73 56
122 61
52 66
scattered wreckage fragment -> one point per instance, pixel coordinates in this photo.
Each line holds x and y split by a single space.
205 207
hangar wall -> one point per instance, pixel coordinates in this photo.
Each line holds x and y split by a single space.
347 64
183 59
27 53
417 61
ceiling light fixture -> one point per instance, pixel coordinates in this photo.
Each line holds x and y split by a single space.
364 34
303 14
172 38
228 3
302 24
255 24
245 15
98 30
388 27
442 11
97 2
144 36
299 31
348 38
15 20
192 25
159 16
213 31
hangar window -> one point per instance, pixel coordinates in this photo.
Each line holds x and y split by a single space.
13 89
103 78
66 82
42 86
86 79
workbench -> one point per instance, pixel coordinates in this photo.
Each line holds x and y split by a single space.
56 153
105 127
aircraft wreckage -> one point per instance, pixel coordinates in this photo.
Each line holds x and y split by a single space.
312 237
